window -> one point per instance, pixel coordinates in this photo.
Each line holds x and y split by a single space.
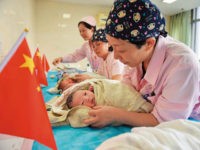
196 31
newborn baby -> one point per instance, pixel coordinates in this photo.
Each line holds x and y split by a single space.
82 97
73 105
66 82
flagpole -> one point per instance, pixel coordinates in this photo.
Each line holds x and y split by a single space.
44 66
13 49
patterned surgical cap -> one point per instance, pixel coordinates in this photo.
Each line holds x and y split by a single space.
99 35
135 20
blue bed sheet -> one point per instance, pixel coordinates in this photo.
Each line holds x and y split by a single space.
68 138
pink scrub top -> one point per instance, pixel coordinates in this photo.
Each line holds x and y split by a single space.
81 53
171 81
110 66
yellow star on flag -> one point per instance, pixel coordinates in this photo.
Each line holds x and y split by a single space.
28 63
38 88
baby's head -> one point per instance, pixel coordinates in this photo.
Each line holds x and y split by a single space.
81 97
65 83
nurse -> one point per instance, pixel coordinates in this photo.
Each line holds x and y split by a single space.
109 67
166 72
87 27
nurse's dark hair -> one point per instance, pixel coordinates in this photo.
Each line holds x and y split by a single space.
87 25
139 44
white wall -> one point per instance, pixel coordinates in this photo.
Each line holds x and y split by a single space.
15 16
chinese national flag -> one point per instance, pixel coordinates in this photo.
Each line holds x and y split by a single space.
23 110
39 70
45 63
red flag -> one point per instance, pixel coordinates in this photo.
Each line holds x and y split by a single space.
39 70
23 110
45 63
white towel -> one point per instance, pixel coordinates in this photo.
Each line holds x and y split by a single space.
172 135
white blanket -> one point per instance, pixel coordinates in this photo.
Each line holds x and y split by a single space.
172 135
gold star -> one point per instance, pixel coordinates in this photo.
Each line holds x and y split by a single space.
38 88
28 63
38 54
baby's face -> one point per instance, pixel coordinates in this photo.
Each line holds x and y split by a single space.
83 97
66 83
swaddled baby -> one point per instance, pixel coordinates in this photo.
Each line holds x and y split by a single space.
85 95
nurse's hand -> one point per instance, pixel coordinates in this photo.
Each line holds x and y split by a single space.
101 116
81 77
57 60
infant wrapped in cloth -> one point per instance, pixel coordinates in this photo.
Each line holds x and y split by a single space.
107 92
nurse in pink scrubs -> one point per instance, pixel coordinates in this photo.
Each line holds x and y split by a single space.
109 67
166 72
87 27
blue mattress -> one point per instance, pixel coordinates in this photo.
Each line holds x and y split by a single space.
86 138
